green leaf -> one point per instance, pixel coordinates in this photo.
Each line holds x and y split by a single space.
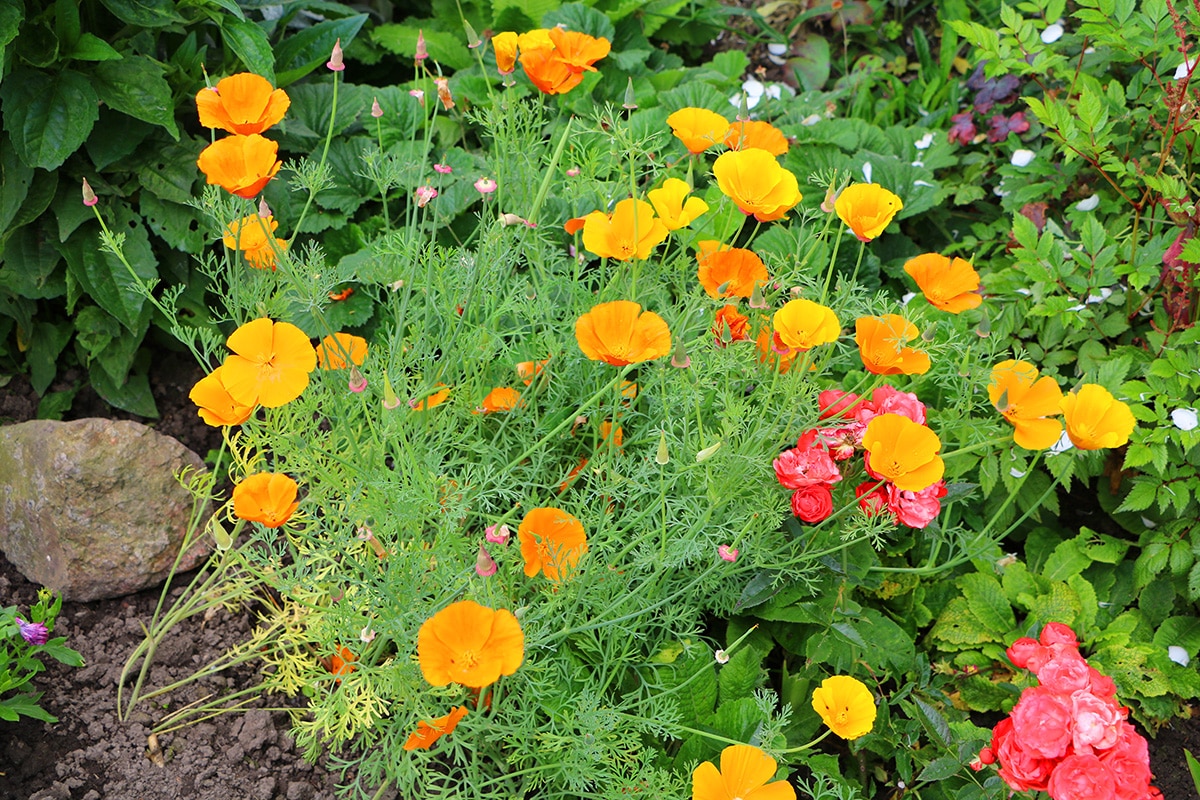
61 653
1067 559
24 704
93 48
136 86
132 395
176 224
249 42
31 264
103 276
144 13
934 722
738 677
303 52
939 769
811 62
45 346
445 48
1193 768
167 171
12 13
1181 631
47 116
578 17
988 604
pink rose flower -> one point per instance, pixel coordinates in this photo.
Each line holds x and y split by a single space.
1129 761
1020 769
890 400
1057 633
1097 724
812 503
805 466
1081 777
1065 673
1042 722
1026 653
916 509
872 497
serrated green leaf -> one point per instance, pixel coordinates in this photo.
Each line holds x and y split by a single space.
1181 632
578 17
47 116
957 628
103 276
136 86
1060 604
301 53
1151 561
988 604
738 677
1067 559
939 769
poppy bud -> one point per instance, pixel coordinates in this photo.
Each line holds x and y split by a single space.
335 60
264 210
422 52
221 536
357 381
662 457
756 297
485 565
89 197
376 110
630 99
473 39
390 400
706 454
680 358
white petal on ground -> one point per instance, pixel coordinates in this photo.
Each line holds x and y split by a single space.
925 142
1052 33
1088 203
1178 655
1185 419
1023 157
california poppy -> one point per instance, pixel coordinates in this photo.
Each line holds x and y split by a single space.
429 732
469 644
631 231
334 350
802 324
528 370
270 363
951 285
440 395
731 273
673 204
342 663
745 774
578 51
903 452
867 208
505 46
552 542
1028 402
609 433
743 134
501 398
730 325
698 128
846 706
244 103
216 406
536 39
548 73
756 183
266 497
620 333
771 349
241 165
251 235
881 343
1095 419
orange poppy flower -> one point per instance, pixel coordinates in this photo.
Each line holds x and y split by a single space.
881 343
578 51
548 73
499 399
673 205
745 774
607 432
574 225
251 236
731 273
552 542
241 165
528 370
631 231
743 134
439 396
867 208
572 475
756 183
1095 419
730 325
772 349
429 732
342 663
951 285
216 406
1028 402
333 351
698 128
846 705
620 333
536 39
243 103
270 363
469 644
802 325
266 497
903 452
505 46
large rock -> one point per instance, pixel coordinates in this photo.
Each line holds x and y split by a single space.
91 508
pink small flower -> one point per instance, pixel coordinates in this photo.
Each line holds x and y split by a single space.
485 186
727 553
33 632
335 60
422 51
572 172
420 95
89 197
376 109
443 169
916 509
497 534
357 381
424 195
485 565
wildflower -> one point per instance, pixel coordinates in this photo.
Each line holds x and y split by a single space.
528 370
845 704
485 186
951 285
469 644
620 333
721 657
36 633
673 205
342 663
270 363
867 208
578 51
744 134
485 565
1028 402
439 396
334 351
251 235
501 398
505 47
1095 419
552 542
424 194
89 197
730 325
611 433
443 169
376 109
443 92
903 452
548 73
241 165
216 406
881 343
266 497
573 172
756 183
419 94
732 272
429 732
698 128
497 534
745 774
335 59
727 553
802 324
631 231
421 51
243 103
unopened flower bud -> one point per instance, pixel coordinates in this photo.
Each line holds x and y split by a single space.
376 109
422 50
630 99
707 452
264 210
220 536
662 457
743 114
727 553
680 358
757 300
485 565
390 400
473 39
89 197
357 381
335 60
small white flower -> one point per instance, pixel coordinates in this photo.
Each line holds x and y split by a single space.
1063 444
1185 419
868 171
1052 33
1178 655
1088 203
1185 68
774 91
1023 158
925 142
721 656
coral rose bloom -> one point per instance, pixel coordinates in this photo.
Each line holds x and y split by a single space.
1028 402
241 165
216 406
698 128
755 182
270 363
266 497
867 208
620 333
1095 419
846 706
243 103
951 285
553 541
469 644
631 231
745 774
903 452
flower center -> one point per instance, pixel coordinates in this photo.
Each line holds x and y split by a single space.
469 659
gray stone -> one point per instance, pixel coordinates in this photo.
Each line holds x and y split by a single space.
91 508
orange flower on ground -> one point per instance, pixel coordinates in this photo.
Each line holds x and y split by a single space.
241 165
846 705
903 452
620 333
548 73
802 325
251 235
731 273
744 134
436 398
333 351
730 325
429 732
266 497
578 51
629 390
631 231
270 363
698 128
949 284
469 644
572 475
756 183
1028 402
528 370
216 406
552 542
244 103
1095 419
499 399
881 343
505 46
673 205
342 663
745 774
867 208
607 433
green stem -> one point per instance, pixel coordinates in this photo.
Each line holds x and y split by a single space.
324 157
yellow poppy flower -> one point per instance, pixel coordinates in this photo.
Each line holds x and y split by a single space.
867 208
552 542
698 128
745 774
951 285
903 452
620 333
270 363
846 706
881 343
1028 402
1095 419
631 231
673 205
469 644
243 103
802 325
755 182
241 165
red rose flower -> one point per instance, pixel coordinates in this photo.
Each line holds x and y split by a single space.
812 503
